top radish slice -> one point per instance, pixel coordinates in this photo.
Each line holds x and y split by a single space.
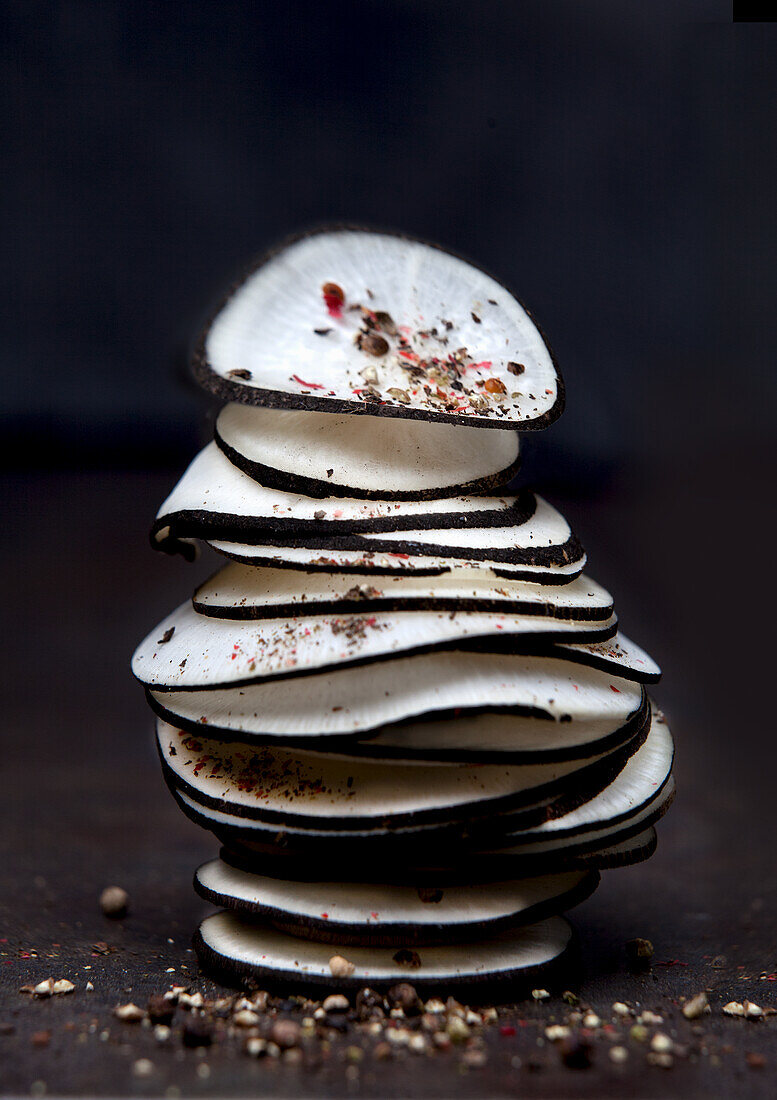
349 320
325 455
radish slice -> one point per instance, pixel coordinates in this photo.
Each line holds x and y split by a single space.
325 455
349 320
239 948
348 912
188 651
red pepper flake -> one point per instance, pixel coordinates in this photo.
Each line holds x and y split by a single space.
394 554
308 385
374 916
616 690
486 364
325 916
507 1029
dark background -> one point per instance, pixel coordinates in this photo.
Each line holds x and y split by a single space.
613 162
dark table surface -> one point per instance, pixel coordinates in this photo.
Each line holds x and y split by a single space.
84 806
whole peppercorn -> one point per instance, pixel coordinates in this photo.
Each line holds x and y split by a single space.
639 953
403 995
333 291
197 1031
286 1033
114 902
369 1004
575 1052
374 345
340 967
160 1010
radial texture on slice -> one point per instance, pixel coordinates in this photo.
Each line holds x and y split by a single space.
327 455
249 592
189 651
323 792
349 320
215 499
376 913
553 704
237 948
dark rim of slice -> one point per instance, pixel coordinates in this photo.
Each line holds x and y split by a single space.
273 478
569 552
193 523
253 395
633 727
557 649
398 868
510 839
359 604
322 565
603 634
231 971
389 932
592 660
480 818
613 860
536 575
358 743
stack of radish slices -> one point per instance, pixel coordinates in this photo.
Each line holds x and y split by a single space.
402 707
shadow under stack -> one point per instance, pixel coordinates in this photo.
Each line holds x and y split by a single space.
402 708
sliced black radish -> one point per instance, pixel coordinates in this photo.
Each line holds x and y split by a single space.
487 738
576 844
202 652
246 592
628 852
449 863
549 566
326 455
237 948
541 548
542 705
619 655
639 784
314 559
348 320
372 913
323 792
215 499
